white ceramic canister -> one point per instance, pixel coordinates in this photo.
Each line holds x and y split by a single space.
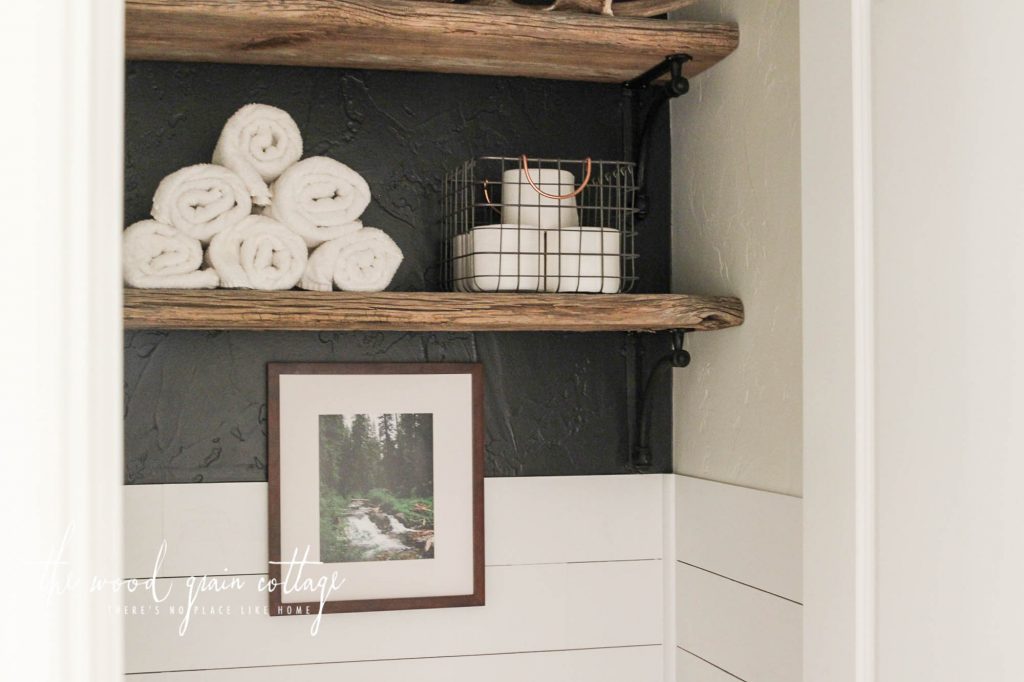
460 261
521 204
505 258
583 260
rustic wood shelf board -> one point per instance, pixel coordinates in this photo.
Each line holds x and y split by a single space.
422 311
402 35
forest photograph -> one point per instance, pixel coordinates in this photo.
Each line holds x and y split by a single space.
376 487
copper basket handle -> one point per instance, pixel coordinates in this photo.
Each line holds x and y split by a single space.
487 200
526 171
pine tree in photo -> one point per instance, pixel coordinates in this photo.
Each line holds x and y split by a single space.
335 440
391 466
361 459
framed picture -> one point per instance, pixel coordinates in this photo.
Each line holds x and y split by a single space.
376 486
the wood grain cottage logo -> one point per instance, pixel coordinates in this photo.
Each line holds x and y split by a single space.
163 596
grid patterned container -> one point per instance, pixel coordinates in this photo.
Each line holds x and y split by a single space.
551 225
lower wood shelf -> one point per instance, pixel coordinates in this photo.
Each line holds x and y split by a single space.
424 311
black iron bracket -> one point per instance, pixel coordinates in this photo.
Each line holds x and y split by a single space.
676 85
639 396
643 98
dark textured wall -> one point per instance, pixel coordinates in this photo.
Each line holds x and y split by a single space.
195 402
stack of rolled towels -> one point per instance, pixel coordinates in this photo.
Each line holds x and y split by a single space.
258 217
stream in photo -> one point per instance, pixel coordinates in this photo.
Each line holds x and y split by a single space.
380 536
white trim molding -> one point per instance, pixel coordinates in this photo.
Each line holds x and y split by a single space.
62 192
839 366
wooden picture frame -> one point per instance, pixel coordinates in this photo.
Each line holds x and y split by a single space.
390 402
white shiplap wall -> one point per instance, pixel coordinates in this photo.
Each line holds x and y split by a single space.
574 591
738 583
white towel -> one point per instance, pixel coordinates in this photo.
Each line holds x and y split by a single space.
201 200
258 253
365 260
157 256
259 142
319 199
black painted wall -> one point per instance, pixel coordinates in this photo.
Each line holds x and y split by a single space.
195 403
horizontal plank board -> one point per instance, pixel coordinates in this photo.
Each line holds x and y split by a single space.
640 664
748 535
216 528
424 311
689 668
751 634
529 608
210 528
144 530
550 519
418 36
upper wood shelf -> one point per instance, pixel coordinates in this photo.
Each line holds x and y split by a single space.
403 35
421 311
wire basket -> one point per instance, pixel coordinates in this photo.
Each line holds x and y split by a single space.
540 225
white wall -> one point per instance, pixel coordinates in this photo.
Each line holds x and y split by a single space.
736 230
738 587
561 604
915 318
738 407
949 244
675 579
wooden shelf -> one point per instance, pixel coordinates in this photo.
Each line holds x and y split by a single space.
422 311
418 36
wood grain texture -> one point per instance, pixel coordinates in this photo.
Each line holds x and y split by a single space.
414 36
424 311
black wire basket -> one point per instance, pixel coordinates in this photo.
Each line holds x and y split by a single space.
540 225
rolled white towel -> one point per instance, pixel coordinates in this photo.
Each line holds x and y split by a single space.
259 142
201 200
158 256
319 199
258 253
365 260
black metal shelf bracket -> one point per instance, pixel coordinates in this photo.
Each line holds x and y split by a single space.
643 98
633 140
676 85
640 394
646 92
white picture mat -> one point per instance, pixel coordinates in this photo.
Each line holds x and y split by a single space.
449 398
